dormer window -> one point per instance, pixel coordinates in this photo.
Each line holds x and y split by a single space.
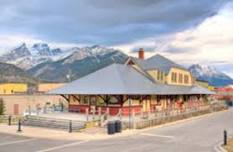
159 75
174 77
186 79
180 78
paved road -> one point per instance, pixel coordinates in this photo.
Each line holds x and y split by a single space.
199 135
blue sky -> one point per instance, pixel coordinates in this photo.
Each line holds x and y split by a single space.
188 31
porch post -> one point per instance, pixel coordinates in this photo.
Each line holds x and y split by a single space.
133 122
87 114
129 112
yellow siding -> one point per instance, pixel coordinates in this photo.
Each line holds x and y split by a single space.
12 88
202 83
157 75
211 88
182 72
44 87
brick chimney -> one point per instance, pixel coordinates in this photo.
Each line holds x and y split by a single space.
141 53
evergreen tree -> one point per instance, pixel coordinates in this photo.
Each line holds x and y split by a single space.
2 107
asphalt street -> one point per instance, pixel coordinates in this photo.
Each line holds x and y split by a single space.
198 135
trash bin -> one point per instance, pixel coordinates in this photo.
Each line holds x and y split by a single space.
118 126
111 127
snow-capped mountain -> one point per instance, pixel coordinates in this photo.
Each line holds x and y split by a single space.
27 57
82 53
210 74
43 49
79 63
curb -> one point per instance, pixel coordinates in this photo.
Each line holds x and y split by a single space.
219 148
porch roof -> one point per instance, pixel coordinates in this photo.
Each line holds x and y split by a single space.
125 80
183 90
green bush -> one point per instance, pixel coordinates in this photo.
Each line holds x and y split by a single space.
2 107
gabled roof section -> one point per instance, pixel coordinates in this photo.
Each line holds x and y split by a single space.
137 62
113 79
125 80
159 62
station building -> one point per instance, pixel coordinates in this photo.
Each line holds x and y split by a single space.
139 86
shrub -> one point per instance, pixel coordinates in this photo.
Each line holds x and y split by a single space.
2 107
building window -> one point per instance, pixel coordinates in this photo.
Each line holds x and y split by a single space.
158 75
186 79
161 75
174 77
180 78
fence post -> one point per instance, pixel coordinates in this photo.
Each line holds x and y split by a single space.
19 126
99 111
133 116
70 126
87 114
93 112
107 112
224 137
9 121
120 114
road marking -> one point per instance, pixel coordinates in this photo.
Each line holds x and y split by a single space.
156 135
63 146
16 142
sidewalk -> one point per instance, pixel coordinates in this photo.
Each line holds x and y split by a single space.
90 134
37 132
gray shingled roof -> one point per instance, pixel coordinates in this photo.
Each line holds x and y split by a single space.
113 79
122 79
182 90
158 62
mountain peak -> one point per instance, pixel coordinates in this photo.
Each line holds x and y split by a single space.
204 69
40 45
96 46
210 74
23 45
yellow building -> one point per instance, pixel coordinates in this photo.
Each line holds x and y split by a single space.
164 71
205 84
45 87
211 88
13 88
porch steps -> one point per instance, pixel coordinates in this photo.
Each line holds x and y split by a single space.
53 123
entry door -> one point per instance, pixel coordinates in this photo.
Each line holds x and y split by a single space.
16 109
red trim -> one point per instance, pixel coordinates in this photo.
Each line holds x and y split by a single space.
78 108
113 110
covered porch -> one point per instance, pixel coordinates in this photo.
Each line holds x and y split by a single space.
131 104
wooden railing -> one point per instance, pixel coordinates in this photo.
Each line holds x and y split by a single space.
160 117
